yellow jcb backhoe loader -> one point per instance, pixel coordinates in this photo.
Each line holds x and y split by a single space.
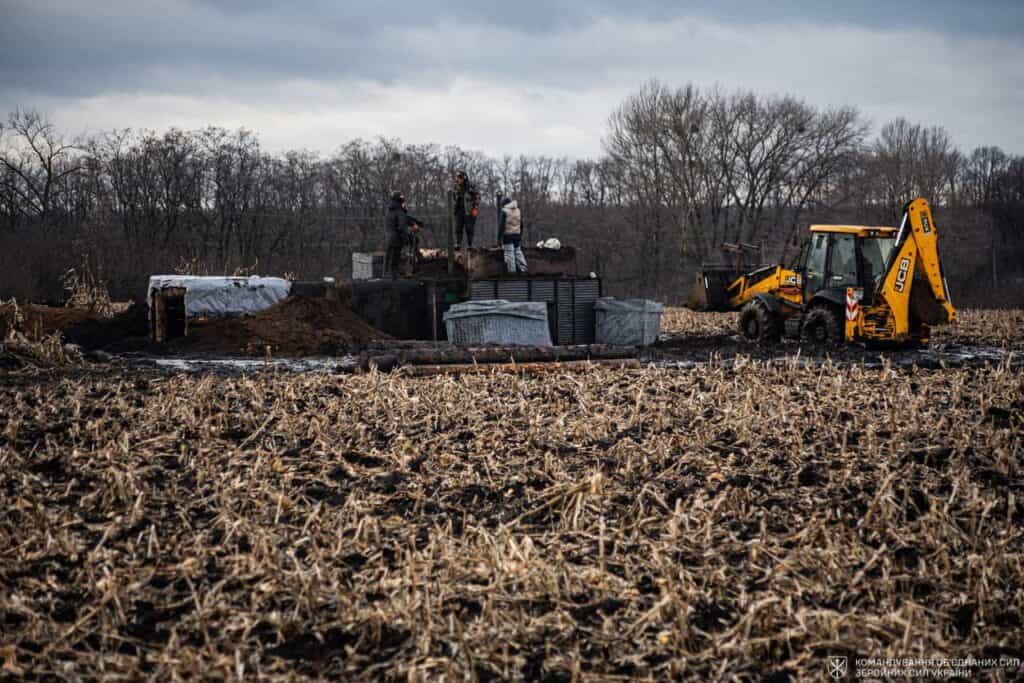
851 283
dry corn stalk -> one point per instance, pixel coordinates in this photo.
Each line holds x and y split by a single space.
722 522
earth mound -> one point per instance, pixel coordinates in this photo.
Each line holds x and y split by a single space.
298 326
37 321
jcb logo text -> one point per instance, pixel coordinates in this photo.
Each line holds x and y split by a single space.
901 275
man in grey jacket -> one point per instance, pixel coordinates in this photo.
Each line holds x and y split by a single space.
510 230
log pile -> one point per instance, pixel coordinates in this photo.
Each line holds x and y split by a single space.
520 368
448 354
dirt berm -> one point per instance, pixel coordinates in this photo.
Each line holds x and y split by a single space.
37 321
297 326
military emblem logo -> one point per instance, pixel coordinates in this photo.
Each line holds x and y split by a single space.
837 667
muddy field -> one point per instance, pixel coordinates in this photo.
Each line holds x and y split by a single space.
998 328
980 337
747 520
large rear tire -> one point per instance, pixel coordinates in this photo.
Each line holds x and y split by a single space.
822 327
759 324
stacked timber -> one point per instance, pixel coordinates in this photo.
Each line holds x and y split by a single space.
449 355
521 368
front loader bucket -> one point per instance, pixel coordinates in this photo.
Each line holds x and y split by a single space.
697 299
708 292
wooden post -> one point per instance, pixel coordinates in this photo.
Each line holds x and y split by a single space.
451 235
432 287
497 216
992 249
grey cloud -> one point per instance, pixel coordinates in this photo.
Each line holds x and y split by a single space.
248 50
82 49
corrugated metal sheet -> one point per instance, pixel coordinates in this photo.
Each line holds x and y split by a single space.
570 302
586 293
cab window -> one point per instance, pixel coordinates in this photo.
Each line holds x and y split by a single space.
842 269
816 259
799 262
876 251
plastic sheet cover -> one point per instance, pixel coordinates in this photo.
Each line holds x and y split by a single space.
223 296
496 321
630 322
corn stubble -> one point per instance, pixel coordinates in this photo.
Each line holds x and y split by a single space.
729 521
998 328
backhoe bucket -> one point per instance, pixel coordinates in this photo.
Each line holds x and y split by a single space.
923 304
697 299
708 292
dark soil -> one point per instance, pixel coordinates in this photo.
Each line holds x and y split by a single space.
39 321
297 326
126 331
723 523
980 337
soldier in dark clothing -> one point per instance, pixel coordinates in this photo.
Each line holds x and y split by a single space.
466 208
399 224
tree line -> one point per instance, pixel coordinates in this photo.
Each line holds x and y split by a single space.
683 171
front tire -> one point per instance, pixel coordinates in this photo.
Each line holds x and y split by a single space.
823 328
758 324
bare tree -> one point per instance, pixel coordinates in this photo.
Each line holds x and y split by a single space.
36 158
684 170
911 160
718 168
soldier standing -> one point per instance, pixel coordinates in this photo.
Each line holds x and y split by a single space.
510 232
401 228
466 208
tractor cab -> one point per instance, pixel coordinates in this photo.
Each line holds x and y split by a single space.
836 257
808 297
851 283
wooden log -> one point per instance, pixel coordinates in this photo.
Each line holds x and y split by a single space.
522 368
444 355
392 345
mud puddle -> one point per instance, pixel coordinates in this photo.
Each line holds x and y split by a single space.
675 352
240 366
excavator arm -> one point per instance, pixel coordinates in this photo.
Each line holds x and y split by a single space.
913 282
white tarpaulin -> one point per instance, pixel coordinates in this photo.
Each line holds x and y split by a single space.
223 296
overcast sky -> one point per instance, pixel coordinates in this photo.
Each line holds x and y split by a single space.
533 76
